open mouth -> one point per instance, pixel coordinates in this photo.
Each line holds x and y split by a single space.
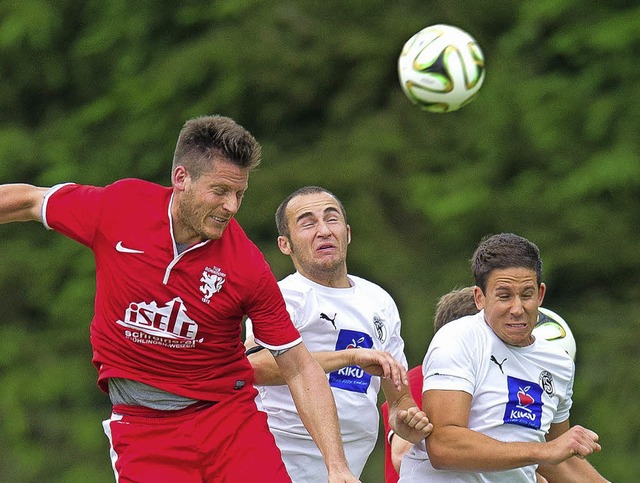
219 220
325 247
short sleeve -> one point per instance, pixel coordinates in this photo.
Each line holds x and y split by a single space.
271 324
73 210
449 363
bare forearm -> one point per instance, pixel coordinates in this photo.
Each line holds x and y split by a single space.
316 407
573 470
20 202
267 372
405 418
456 448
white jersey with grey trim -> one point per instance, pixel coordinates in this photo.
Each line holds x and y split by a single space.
518 392
329 319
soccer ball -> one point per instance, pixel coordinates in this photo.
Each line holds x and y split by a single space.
552 327
441 68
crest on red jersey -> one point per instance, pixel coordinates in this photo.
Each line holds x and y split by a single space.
212 280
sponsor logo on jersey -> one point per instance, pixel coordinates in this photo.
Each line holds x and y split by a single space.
122 249
212 280
168 325
324 316
524 407
351 378
499 364
381 329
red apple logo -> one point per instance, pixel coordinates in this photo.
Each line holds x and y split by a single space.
354 343
524 399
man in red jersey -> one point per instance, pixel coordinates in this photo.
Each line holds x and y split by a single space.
175 276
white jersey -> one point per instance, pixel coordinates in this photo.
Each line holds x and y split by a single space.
330 319
518 392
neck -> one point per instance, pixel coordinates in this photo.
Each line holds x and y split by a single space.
328 279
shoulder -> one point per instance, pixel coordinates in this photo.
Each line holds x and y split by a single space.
467 333
372 288
294 289
132 190
469 324
138 200
135 185
235 238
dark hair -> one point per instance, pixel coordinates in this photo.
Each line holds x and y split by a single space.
206 138
453 305
504 250
281 218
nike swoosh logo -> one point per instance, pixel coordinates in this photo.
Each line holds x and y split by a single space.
122 249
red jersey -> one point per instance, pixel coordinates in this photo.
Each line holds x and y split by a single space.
415 386
169 320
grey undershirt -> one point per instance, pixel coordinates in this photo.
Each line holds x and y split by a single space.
134 393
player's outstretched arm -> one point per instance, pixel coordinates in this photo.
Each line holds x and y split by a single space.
374 362
317 409
20 202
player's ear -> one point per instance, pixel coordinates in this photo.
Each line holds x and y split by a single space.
179 177
478 296
348 234
542 289
284 245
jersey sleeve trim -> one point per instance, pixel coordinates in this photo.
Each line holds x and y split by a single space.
447 382
45 203
271 347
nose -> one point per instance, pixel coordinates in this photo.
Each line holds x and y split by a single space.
323 229
231 203
517 308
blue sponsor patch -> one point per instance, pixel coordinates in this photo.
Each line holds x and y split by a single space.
351 378
524 407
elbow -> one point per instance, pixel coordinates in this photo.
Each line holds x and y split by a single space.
258 377
262 376
438 462
439 456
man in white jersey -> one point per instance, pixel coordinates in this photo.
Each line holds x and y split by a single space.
498 397
350 325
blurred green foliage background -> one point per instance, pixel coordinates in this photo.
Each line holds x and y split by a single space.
95 91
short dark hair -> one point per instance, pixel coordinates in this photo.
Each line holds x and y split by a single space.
203 139
454 305
504 250
281 218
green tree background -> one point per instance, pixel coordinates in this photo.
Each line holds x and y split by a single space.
95 91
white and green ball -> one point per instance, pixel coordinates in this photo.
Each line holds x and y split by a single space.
441 68
554 328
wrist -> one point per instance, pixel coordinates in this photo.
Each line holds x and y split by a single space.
390 435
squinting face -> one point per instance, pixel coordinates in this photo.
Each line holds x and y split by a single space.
318 238
203 207
511 304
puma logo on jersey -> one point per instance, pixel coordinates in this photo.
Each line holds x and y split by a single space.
324 316
499 364
122 249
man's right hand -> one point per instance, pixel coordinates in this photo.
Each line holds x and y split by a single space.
379 363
